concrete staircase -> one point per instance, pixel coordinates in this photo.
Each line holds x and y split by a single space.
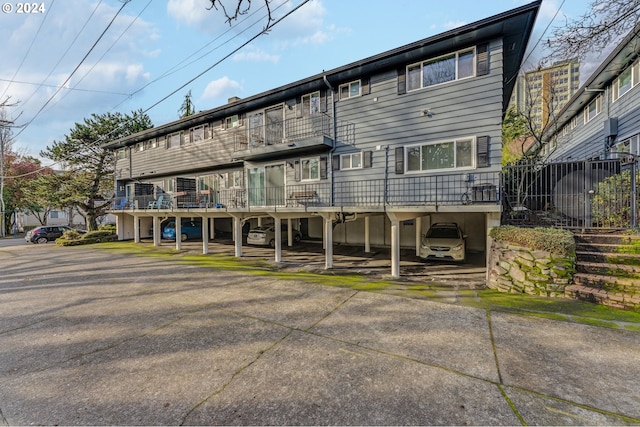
607 270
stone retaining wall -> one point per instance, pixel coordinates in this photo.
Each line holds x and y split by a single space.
522 270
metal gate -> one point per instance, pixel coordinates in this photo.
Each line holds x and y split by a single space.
577 194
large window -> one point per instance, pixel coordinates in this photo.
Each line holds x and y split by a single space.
443 69
197 134
174 140
454 154
593 109
626 81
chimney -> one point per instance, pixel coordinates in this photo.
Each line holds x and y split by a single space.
233 99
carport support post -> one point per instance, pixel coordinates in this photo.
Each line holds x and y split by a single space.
289 232
418 223
205 236
156 230
367 236
278 229
212 229
395 248
327 240
136 228
178 233
237 232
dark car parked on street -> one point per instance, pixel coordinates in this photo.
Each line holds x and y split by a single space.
47 233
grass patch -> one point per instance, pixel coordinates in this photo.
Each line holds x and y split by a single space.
488 299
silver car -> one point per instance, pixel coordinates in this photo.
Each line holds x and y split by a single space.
266 235
444 240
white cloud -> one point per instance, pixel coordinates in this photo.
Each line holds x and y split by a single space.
224 86
255 55
453 24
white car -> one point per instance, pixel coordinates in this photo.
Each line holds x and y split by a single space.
266 235
444 240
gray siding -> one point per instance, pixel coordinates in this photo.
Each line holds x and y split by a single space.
469 107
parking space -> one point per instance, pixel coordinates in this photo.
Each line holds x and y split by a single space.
309 256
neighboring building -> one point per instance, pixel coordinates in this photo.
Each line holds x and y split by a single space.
591 150
370 153
604 115
542 93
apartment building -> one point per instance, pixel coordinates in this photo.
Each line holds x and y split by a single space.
542 93
370 153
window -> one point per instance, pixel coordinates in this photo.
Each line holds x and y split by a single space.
232 122
351 161
593 109
453 154
234 179
121 154
173 140
350 90
310 169
455 66
625 81
197 134
629 145
574 122
152 143
140 146
311 104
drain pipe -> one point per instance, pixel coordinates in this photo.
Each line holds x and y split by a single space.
335 137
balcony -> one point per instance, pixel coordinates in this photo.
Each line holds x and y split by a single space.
297 135
411 192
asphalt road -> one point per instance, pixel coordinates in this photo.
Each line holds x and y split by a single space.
88 337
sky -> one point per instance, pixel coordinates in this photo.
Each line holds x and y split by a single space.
68 59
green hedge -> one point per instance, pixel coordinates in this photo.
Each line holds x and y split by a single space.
73 238
556 241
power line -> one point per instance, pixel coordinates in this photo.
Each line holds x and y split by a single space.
65 88
125 2
64 54
29 49
104 54
263 31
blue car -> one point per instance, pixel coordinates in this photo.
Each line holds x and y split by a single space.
191 229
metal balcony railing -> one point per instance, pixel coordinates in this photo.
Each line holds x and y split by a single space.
292 130
409 191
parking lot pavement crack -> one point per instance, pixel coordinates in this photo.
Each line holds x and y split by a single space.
337 307
493 346
234 375
511 405
3 420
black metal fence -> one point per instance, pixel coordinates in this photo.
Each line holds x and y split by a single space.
572 194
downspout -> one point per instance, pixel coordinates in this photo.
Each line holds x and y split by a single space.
335 138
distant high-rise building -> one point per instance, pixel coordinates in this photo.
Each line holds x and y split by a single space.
538 94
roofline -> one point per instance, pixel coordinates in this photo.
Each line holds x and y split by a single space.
385 61
586 93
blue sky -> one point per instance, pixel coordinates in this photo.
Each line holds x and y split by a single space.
154 47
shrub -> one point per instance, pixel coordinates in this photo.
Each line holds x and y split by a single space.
71 235
73 238
611 204
553 240
108 227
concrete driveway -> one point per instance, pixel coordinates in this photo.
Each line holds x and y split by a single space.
92 338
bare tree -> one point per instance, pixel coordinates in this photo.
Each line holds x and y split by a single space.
604 23
241 8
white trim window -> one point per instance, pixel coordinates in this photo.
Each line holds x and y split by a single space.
574 122
351 161
310 104
442 155
197 134
310 169
232 122
349 90
593 109
627 80
174 140
629 145
152 143
443 69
